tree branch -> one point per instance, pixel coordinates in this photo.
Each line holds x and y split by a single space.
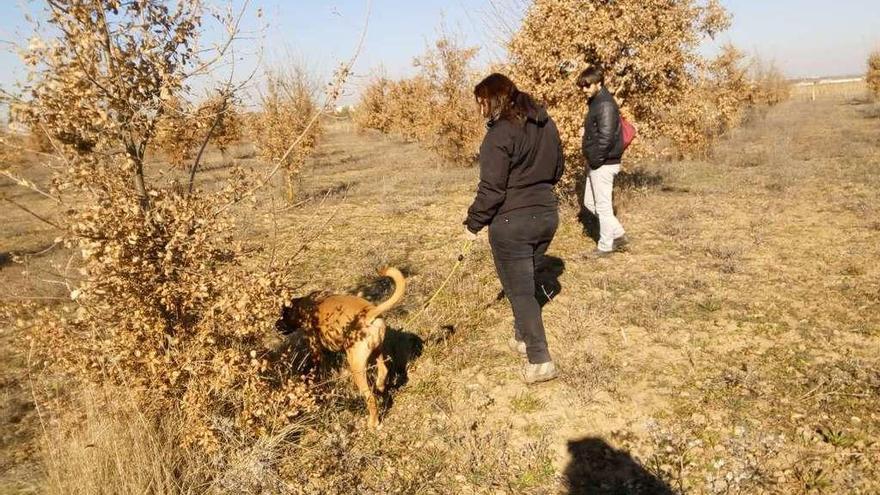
217 119
28 184
35 215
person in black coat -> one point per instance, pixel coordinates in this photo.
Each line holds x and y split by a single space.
520 163
602 147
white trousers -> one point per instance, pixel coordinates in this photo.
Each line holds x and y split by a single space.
597 199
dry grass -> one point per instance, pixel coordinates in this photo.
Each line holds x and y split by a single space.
105 445
111 449
732 350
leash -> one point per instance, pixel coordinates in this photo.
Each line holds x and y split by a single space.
465 250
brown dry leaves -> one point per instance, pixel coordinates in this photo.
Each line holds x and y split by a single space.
168 303
287 106
873 76
435 108
173 309
101 78
648 50
184 127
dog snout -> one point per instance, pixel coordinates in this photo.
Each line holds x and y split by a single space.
283 327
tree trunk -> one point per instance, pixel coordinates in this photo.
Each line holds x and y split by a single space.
290 188
140 186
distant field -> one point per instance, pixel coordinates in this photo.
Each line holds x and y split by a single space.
830 89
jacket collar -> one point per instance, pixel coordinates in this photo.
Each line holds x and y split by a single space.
601 95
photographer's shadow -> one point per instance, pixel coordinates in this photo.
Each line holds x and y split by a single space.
597 468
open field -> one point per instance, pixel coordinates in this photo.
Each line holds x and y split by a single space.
830 89
733 349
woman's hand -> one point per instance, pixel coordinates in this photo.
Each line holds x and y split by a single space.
468 235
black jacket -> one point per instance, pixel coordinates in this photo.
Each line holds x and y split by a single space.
602 143
519 165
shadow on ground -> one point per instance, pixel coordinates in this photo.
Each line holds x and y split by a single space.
547 285
547 273
596 468
401 349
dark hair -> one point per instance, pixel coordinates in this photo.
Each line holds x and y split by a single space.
590 76
505 100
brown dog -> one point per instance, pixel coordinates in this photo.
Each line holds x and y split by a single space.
346 323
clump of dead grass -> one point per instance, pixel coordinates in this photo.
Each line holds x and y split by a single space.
110 446
111 449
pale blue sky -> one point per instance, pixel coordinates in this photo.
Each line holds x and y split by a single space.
804 37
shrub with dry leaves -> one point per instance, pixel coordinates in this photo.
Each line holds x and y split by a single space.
184 127
410 104
712 105
434 108
173 308
873 76
769 85
372 111
288 105
680 100
178 132
648 49
454 129
168 303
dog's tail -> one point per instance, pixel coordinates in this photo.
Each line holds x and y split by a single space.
399 287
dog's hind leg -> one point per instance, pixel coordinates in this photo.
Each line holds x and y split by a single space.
381 370
377 346
358 357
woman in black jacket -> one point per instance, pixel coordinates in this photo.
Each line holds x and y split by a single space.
520 163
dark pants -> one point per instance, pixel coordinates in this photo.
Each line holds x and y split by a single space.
519 242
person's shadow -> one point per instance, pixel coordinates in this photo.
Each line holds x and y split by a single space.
597 468
547 273
547 285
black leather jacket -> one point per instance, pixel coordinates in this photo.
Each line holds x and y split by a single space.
602 144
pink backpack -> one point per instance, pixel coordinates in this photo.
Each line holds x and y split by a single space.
627 132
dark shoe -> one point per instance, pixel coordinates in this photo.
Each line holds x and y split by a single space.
535 373
597 253
621 243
